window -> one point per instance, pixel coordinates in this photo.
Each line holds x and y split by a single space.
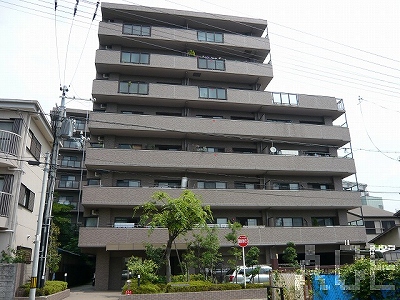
214 149
244 150
128 183
210 37
246 185
135 58
211 185
168 113
67 200
167 184
322 221
35 146
68 181
286 99
80 124
285 186
142 30
209 116
370 227
169 147
252 221
26 198
70 162
93 181
320 186
289 222
212 93
72 144
91 222
387 225
211 63
140 88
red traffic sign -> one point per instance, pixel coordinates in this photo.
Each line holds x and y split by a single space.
243 241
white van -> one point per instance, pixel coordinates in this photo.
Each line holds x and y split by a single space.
236 275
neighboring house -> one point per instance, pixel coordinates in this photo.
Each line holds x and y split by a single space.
181 103
376 221
25 136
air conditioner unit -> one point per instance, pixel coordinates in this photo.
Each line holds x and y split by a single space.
100 138
106 75
94 212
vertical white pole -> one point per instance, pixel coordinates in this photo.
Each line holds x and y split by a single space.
244 267
35 263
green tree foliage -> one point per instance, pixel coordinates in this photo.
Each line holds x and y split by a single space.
290 254
53 257
372 279
232 237
252 256
10 256
157 255
178 215
146 269
203 251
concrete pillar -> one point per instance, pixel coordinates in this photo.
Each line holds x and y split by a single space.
102 270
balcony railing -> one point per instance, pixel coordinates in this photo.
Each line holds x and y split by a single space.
9 142
5 201
69 184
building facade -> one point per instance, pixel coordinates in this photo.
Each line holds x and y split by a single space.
25 137
181 103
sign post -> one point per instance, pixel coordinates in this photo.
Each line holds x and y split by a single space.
243 242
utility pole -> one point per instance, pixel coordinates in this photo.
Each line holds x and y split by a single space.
35 263
62 129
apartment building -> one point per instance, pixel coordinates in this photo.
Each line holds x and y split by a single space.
25 137
181 103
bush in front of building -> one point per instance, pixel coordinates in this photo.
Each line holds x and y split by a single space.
146 288
49 288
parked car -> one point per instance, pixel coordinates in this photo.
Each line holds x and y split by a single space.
254 274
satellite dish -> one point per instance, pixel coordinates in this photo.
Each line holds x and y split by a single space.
272 149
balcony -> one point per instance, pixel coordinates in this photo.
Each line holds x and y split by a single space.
227 163
182 39
136 238
183 66
9 146
68 184
240 100
221 198
180 127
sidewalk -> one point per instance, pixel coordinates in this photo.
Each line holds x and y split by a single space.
87 292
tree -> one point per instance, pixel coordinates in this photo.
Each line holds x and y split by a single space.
157 255
146 269
178 215
252 256
232 237
53 257
369 279
290 254
203 251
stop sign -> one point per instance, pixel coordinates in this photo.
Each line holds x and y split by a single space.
243 240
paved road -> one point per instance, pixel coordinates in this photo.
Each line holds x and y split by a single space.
87 292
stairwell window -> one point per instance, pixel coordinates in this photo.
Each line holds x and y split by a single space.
285 99
212 93
35 146
141 30
135 58
211 63
129 87
215 37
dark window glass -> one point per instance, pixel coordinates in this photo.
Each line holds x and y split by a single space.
370 227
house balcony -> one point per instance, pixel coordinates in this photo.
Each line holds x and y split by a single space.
95 197
198 128
256 48
227 163
5 203
135 238
9 146
237 100
172 66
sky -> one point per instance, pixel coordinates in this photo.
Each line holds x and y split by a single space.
345 49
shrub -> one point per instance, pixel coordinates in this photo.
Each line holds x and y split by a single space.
146 288
49 288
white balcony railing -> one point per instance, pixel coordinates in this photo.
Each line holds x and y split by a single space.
5 201
9 142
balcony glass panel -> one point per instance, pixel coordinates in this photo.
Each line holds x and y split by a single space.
125 57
